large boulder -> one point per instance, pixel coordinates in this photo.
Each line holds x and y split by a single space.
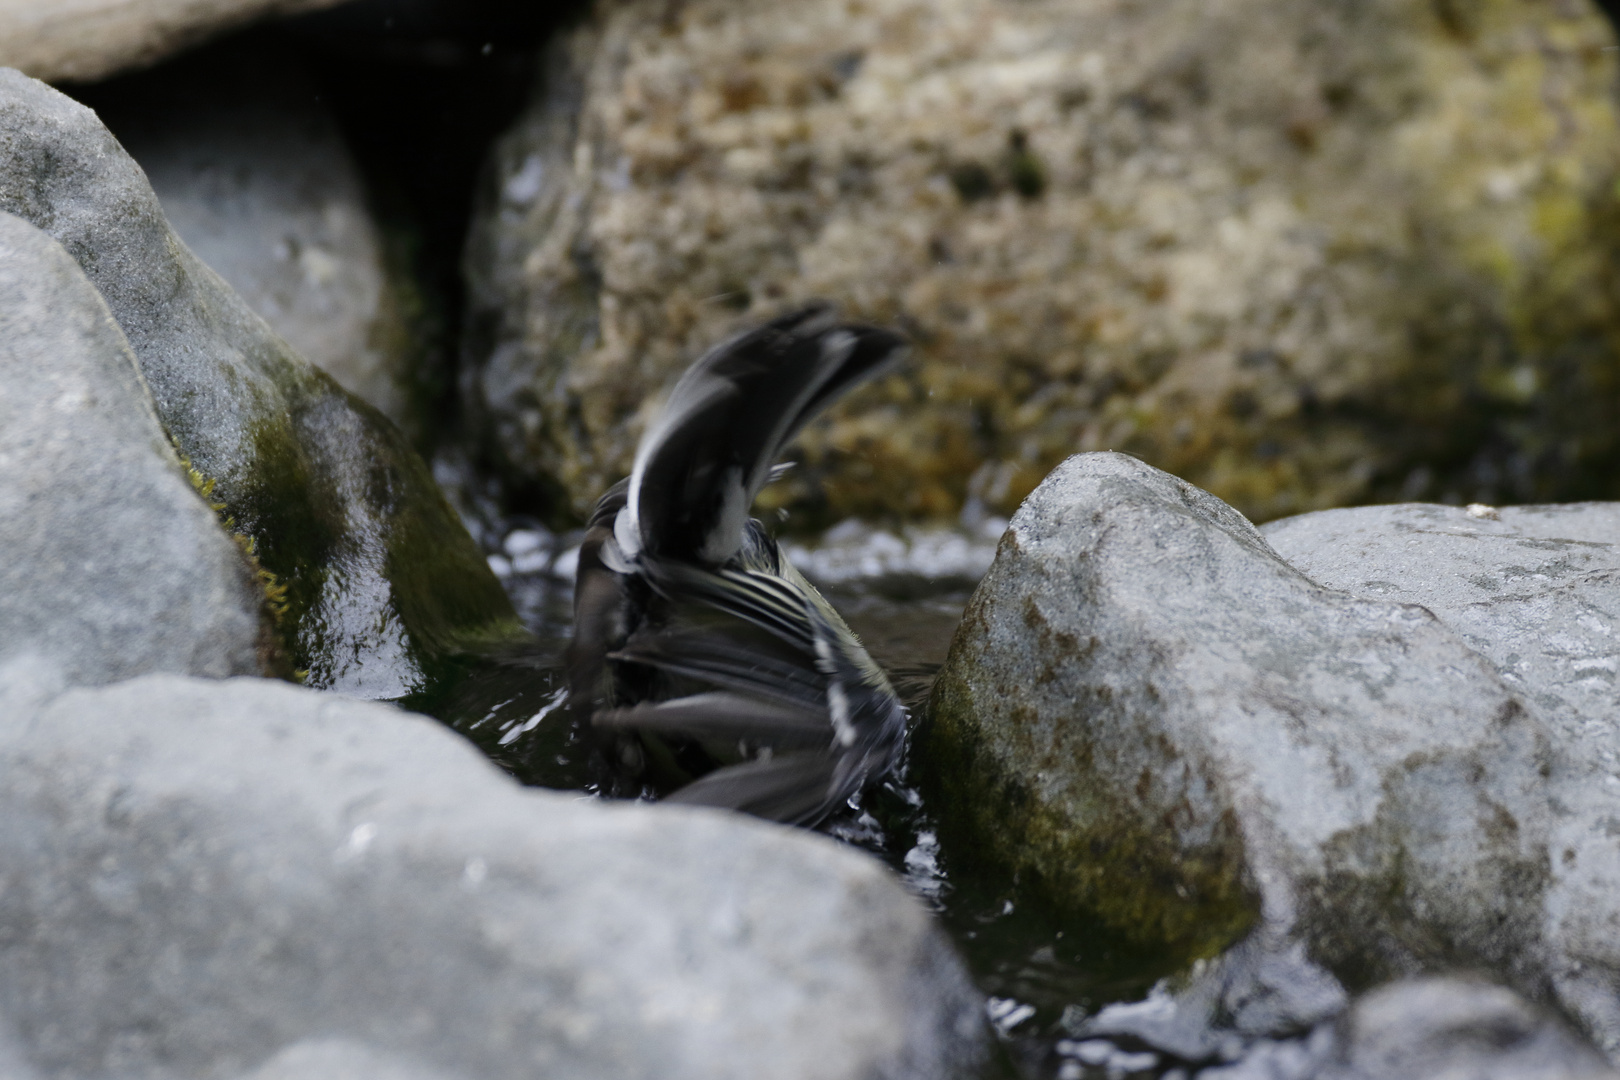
382 583
1301 254
112 565
1157 721
58 41
1536 589
257 179
205 879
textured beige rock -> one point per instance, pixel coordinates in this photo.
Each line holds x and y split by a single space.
81 40
1300 254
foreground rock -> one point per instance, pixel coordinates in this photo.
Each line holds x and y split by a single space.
57 41
1292 252
382 582
1431 1028
1169 727
1456 1029
112 565
256 178
212 879
1536 589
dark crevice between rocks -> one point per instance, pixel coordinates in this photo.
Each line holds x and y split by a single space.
420 90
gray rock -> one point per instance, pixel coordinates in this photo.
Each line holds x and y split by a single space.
382 581
1536 589
1457 1029
112 566
340 1059
1151 714
256 178
52 40
203 879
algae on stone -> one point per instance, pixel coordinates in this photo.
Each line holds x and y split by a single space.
1302 254
382 581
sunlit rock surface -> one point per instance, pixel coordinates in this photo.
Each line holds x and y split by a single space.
205 879
1300 254
1536 589
111 565
382 582
256 178
1168 727
91 39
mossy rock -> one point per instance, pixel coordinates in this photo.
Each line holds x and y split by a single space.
379 582
1303 255
1149 719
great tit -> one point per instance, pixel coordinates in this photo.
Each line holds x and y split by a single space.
713 672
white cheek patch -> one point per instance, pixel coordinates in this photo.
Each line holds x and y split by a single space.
725 535
613 558
626 534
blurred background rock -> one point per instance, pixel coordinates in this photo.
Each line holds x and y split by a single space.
1303 256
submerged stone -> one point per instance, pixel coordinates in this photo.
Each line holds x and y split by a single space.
382 583
245 878
111 565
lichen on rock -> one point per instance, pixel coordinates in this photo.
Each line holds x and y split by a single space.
1302 255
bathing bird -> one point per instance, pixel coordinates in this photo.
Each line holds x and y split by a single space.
713 672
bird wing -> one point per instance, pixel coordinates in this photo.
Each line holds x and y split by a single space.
795 789
700 465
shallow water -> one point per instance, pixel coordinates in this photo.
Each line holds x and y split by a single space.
1042 976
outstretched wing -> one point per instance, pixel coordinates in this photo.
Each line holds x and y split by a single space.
700 465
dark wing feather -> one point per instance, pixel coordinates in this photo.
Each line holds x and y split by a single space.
725 715
719 659
796 789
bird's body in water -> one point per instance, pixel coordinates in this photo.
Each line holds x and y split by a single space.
712 670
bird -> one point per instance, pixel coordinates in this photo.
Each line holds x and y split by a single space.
712 671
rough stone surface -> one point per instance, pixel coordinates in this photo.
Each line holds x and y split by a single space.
382 581
1457 1029
91 39
1536 589
203 879
256 178
1301 254
112 565
1151 714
